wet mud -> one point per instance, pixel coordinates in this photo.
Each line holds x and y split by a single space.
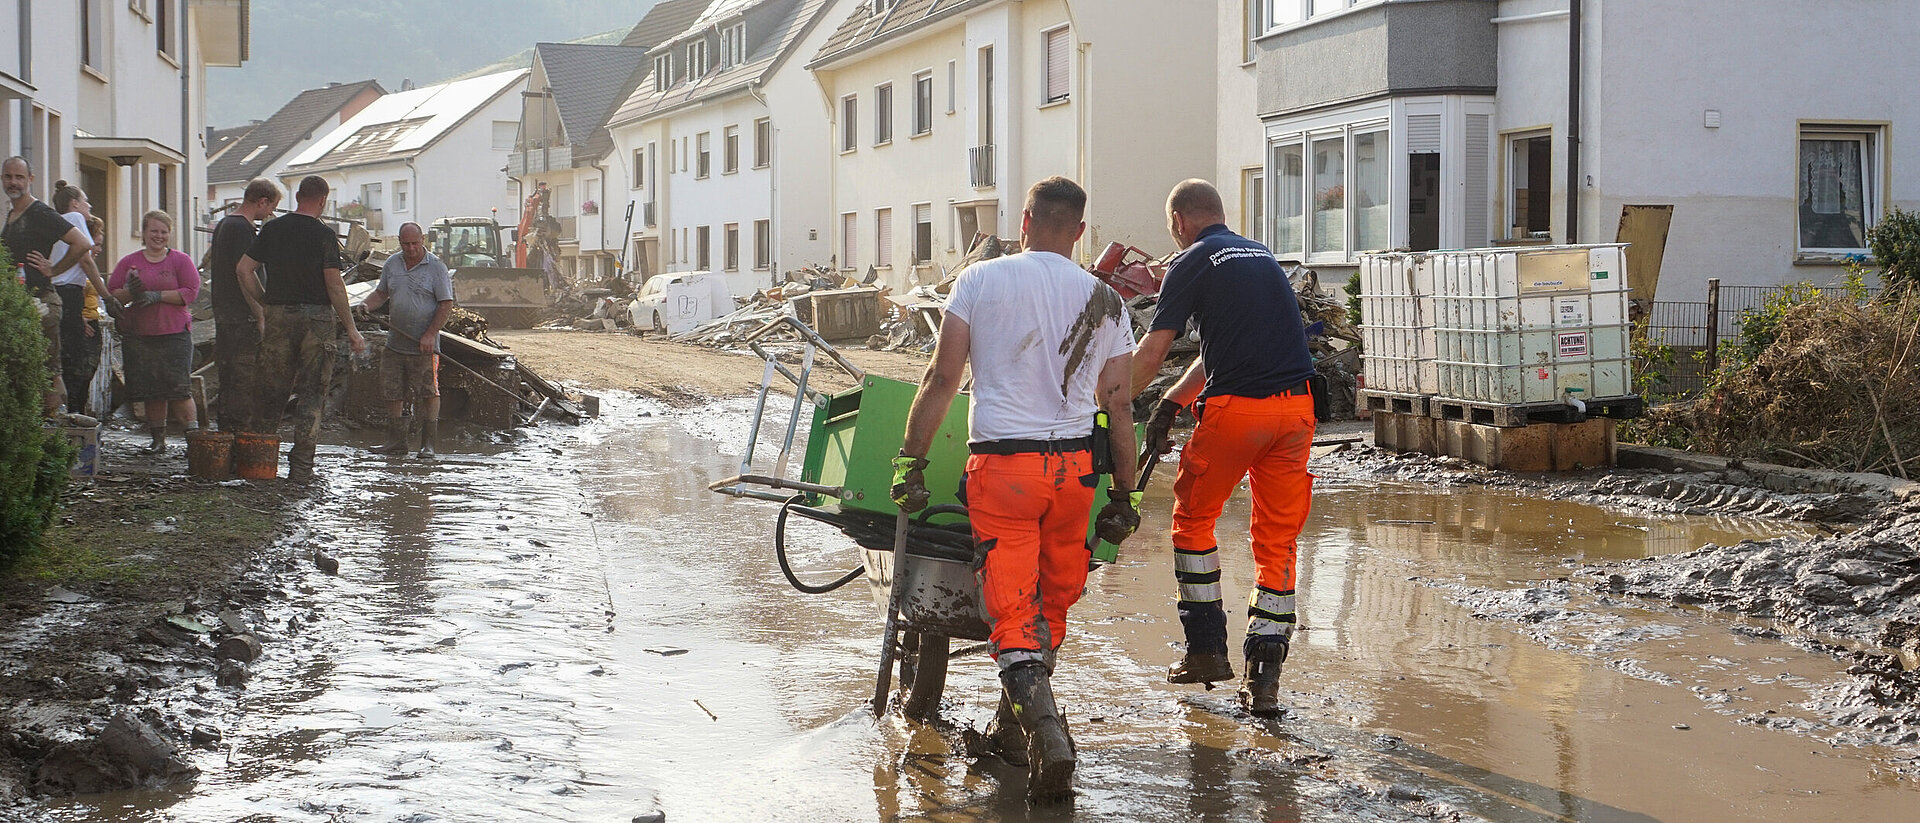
570 626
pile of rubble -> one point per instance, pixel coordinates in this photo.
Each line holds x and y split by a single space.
837 306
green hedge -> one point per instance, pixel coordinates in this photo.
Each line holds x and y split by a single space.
33 460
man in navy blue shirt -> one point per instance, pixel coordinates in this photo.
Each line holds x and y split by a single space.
1256 418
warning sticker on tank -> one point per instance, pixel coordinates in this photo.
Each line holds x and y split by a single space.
1573 344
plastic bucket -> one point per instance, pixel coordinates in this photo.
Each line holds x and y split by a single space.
210 455
256 456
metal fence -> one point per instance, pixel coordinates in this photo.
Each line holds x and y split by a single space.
1694 330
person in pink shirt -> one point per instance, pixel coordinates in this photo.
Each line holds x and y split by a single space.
157 284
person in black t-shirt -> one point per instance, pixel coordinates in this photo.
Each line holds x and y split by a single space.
239 321
305 305
32 228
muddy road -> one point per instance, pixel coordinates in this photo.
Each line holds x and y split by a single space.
572 627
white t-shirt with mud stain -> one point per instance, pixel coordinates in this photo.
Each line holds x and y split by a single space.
1041 328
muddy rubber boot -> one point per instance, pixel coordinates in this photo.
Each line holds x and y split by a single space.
1004 737
429 432
1260 695
1206 658
396 438
1049 751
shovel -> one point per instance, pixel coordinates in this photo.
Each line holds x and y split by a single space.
1107 552
884 683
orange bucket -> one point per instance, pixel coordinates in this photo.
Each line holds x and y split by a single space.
256 456
209 455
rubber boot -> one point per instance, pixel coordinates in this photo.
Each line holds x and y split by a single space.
429 432
1206 658
1004 736
1049 751
396 438
1260 695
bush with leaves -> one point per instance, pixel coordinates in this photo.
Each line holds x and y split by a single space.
1895 243
33 459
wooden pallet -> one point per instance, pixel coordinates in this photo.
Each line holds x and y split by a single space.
1504 415
1395 402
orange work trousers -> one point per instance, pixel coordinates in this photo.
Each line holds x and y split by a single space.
1269 438
1029 512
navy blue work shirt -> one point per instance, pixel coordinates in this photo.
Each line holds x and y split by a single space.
1251 337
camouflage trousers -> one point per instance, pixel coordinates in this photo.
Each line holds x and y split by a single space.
296 361
236 350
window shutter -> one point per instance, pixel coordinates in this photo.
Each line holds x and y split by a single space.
883 229
1056 65
849 239
1478 186
1423 134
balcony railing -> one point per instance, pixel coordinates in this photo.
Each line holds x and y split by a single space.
647 215
980 166
569 228
539 160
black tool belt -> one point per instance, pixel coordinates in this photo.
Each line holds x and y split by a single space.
1078 444
1297 391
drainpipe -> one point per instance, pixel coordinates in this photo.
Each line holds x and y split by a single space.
413 194
602 214
1083 117
1573 121
187 151
773 189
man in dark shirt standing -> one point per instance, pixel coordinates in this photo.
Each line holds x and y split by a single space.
238 319
1258 420
32 228
305 305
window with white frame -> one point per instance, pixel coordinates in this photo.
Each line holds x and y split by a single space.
703 165
1529 192
371 197
762 143
733 45
730 150
762 244
697 59
93 34
850 123
953 83
399 195
639 168
849 239
922 233
1838 187
923 103
883 114
1054 65
1253 199
662 72
1331 193
883 238
703 248
163 26
730 256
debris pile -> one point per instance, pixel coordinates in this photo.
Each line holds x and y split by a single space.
1836 389
837 306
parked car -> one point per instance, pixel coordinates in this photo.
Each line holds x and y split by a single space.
680 302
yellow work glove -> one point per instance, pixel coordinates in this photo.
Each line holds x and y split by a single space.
909 484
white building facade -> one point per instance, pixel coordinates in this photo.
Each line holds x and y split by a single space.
110 97
945 113
1449 124
722 146
422 154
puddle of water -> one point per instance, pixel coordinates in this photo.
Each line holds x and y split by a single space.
458 670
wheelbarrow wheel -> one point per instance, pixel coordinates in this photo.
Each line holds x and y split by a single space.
923 673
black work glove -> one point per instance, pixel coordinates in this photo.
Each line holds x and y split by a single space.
910 483
138 291
1158 427
1119 518
111 305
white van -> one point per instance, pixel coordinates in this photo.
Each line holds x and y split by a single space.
680 302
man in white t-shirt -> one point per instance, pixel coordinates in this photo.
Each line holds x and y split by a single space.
1049 345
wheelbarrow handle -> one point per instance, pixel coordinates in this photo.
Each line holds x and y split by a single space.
883 684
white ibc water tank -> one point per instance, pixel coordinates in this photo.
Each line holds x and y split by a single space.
1537 325
1396 323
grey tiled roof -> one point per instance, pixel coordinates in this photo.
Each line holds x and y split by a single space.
307 114
773 48
666 19
218 139
587 83
863 27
